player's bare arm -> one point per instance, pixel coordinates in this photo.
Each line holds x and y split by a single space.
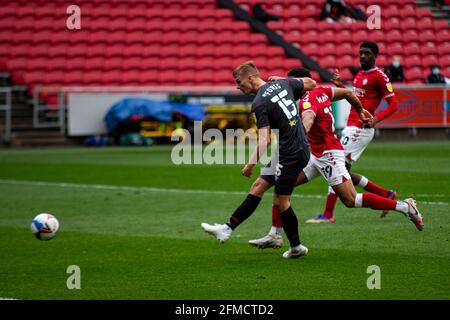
308 83
336 79
308 120
341 93
263 141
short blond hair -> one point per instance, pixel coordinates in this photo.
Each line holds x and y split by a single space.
247 68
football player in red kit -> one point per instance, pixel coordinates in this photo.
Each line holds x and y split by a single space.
370 85
328 159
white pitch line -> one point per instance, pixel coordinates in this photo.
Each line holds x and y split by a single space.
162 190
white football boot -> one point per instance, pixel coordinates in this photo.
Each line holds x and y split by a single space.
296 253
272 240
414 214
221 231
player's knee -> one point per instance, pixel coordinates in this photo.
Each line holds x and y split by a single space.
276 201
356 178
258 188
348 201
283 204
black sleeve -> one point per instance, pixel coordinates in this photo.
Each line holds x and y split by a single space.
262 119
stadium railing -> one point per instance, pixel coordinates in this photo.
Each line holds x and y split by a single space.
5 106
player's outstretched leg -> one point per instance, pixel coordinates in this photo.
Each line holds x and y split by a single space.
328 214
290 226
220 231
391 195
408 207
414 214
223 231
273 239
366 184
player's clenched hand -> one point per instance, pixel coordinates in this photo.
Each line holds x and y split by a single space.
372 122
336 78
273 78
365 116
247 171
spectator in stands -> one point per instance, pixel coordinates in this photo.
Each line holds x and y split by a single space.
395 70
438 3
356 13
436 77
262 15
335 11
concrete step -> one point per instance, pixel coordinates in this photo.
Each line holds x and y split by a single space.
36 134
40 138
41 142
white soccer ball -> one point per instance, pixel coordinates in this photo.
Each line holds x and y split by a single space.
44 226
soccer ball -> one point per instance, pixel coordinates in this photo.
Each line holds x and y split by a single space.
44 226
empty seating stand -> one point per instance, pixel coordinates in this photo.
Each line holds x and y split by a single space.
128 43
407 31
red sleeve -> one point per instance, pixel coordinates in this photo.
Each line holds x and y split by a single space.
384 85
391 108
329 91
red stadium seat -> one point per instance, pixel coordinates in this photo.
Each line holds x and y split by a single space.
412 48
410 35
443 35
425 24
328 62
407 11
292 63
94 64
429 48
427 61
360 35
394 36
328 37
394 49
412 61
346 62
311 48
444 61
381 61
415 74
427 35
346 75
443 48
410 23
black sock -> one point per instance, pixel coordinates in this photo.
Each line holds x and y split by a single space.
244 211
290 226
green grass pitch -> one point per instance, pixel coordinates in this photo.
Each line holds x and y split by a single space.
140 238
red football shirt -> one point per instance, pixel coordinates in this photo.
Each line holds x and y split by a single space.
370 87
321 136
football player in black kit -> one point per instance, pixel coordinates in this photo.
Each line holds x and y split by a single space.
274 107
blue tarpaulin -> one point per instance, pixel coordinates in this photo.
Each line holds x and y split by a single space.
161 110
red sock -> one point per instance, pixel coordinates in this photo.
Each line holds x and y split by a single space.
373 201
329 206
276 220
373 188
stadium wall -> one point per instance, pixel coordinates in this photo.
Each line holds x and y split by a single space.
423 111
